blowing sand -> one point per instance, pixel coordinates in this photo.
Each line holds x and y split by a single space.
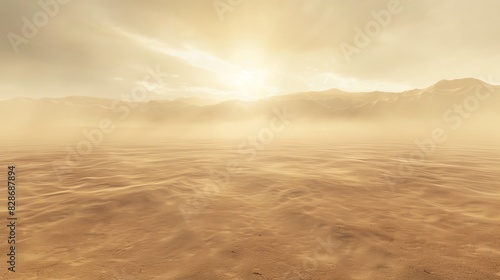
294 211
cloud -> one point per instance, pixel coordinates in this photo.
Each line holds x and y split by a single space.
88 43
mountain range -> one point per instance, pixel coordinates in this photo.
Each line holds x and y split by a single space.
324 106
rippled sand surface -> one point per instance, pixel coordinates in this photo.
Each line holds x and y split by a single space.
205 210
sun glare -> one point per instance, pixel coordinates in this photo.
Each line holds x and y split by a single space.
249 84
250 79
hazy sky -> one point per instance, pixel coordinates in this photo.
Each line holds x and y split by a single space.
242 48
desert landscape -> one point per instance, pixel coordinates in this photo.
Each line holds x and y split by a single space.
301 197
249 140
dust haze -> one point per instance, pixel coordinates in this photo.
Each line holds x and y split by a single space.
314 185
250 139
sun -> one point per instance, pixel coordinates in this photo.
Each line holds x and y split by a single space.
250 84
250 79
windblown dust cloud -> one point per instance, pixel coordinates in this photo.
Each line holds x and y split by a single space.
233 139
317 185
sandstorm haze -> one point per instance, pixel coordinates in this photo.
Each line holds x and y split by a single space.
252 49
252 139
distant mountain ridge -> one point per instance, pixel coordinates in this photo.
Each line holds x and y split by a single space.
326 105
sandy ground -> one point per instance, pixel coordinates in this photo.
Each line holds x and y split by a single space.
294 211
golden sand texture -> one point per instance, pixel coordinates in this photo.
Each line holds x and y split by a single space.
296 210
